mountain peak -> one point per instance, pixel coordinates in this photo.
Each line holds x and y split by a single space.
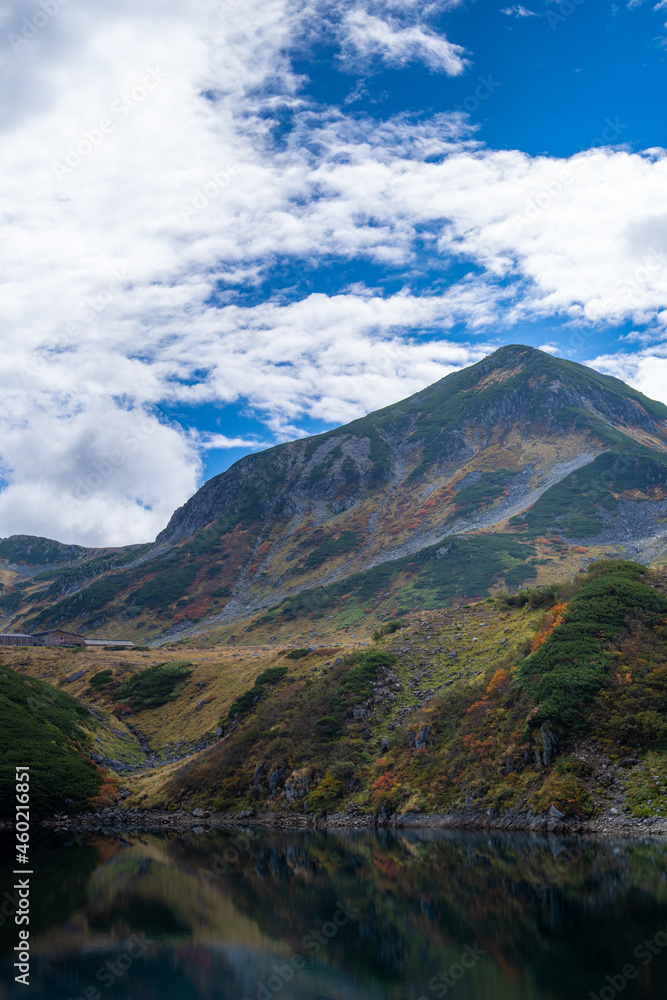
517 447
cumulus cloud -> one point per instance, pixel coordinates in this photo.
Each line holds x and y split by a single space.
82 467
646 370
147 178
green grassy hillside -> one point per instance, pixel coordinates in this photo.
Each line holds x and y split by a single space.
549 696
48 731
555 696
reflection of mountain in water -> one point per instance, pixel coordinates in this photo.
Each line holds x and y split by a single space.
343 917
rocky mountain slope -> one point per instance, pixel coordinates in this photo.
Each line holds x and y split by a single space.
494 476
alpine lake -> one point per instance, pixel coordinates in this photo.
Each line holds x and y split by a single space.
248 914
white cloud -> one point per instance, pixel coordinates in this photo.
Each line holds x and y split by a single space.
367 35
115 300
518 10
95 473
646 370
214 442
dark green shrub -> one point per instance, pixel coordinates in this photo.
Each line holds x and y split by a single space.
567 672
246 701
350 470
272 675
388 629
357 681
489 488
166 587
88 600
11 602
327 728
100 680
37 551
332 547
572 765
297 654
535 597
37 726
625 567
343 770
644 729
155 686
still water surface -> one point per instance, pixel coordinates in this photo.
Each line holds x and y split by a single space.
322 916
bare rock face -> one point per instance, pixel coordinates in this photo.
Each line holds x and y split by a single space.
276 779
549 744
421 741
297 784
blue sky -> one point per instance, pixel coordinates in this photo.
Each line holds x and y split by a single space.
225 224
555 79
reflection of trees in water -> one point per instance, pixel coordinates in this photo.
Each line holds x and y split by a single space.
533 903
554 916
59 887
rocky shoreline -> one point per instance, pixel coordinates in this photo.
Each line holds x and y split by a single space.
114 820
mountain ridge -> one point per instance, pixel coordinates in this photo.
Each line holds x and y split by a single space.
514 448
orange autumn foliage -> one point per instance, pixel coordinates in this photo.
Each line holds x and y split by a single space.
383 788
108 793
386 866
476 747
499 680
552 621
